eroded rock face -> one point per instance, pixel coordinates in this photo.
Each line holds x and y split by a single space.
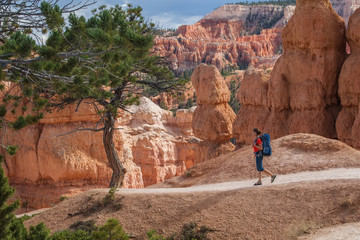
187 53
345 8
213 116
230 35
253 96
302 91
218 38
152 144
348 122
161 145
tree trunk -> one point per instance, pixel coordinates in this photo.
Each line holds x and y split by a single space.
112 156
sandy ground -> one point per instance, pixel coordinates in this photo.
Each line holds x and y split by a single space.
317 189
350 231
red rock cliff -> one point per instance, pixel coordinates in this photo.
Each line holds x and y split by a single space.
301 95
227 37
235 35
50 162
348 122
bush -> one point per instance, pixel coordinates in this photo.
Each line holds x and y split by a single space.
111 230
110 197
62 198
87 226
192 231
38 232
69 235
153 235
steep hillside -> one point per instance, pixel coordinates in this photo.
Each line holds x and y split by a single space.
290 207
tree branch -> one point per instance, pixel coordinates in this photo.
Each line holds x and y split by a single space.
82 129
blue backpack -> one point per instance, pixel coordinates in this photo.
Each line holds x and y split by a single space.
265 138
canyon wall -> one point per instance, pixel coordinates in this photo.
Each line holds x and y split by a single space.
301 94
348 122
345 8
235 34
54 160
231 35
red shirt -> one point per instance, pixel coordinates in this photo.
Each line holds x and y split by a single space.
258 142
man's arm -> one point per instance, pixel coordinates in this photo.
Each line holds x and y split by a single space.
259 144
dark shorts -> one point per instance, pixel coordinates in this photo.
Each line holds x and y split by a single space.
259 161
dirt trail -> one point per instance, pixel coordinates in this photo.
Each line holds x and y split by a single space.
342 232
167 208
332 174
318 179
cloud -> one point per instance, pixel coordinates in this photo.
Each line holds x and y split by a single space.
173 20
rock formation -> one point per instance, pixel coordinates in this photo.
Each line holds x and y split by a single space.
348 122
231 35
152 144
235 34
301 95
253 97
345 8
213 116
185 53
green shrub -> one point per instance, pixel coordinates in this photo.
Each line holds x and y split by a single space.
62 198
38 232
69 235
153 235
192 231
110 197
111 230
87 226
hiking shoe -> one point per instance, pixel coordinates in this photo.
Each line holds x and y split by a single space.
273 178
258 183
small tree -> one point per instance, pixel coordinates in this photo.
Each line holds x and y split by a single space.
10 226
105 61
111 230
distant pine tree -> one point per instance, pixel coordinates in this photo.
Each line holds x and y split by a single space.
276 2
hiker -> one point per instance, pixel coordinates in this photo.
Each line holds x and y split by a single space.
257 145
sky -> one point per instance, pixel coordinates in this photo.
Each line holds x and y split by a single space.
167 13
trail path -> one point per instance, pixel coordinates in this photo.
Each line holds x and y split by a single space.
331 174
342 232
349 231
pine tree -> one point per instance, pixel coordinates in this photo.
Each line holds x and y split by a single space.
18 21
10 226
105 60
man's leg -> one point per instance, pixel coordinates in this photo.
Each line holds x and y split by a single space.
268 172
259 176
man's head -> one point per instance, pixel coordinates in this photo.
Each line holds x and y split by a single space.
257 131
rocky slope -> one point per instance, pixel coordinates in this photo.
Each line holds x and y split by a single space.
290 207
